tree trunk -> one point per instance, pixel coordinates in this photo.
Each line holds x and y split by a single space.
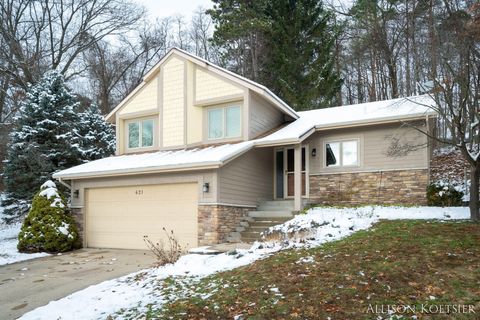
474 194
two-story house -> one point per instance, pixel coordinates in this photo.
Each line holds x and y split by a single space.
199 147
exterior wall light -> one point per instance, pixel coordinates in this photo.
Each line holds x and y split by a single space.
314 152
206 187
76 193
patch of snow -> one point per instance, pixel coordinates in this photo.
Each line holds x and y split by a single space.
202 250
63 229
9 241
159 160
308 259
318 225
49 190
357 113
49 184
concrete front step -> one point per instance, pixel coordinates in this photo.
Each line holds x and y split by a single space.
272 208
249 240
275 202
258 228
251 234
269 221
266 214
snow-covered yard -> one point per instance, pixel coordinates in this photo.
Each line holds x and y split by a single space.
8 243
318 226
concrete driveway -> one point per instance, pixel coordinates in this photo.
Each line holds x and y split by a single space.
27 285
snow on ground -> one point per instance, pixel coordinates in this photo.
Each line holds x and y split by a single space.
318 226
8 243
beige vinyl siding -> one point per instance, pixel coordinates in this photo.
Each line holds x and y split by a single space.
247 179
374 142
144 100
120 217
263 116
194 113
209 86
198 177
173 106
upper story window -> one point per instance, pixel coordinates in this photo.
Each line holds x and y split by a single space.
224 122
140 133
341 153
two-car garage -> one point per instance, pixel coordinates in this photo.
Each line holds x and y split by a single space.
120 217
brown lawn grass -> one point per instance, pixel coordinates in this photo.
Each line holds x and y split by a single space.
395 262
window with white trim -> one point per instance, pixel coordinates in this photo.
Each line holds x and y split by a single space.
341 153
140 133
224 122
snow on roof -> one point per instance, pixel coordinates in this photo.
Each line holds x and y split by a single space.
395 109
295 132
157 161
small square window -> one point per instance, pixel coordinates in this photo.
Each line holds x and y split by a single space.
133 135
215 124
349 153
233 122
341 153
224 123
147 133
333 154
140 134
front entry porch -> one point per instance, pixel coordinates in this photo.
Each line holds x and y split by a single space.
291 169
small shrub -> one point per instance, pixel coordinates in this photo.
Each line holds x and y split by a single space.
48 227
165 254
443 195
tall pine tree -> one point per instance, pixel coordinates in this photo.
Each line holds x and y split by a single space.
287 45
97 135
301 59
50 134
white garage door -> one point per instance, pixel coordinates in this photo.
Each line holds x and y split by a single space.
119 217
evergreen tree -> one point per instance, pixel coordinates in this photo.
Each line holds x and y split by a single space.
240 29
98 136
287 45
44 140
48 227
301 62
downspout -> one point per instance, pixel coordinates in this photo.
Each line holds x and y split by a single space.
65 184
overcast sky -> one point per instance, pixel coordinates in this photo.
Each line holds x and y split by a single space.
165 8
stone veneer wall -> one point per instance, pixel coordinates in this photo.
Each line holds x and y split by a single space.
380 187
215 222
77 214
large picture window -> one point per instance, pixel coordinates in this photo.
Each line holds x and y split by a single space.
341 153
224 123
140 133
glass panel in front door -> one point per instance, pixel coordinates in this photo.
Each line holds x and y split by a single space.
289 172
279 174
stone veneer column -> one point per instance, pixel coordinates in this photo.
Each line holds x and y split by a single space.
215 222
79 218
361 188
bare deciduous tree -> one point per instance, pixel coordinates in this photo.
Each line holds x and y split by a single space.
40 35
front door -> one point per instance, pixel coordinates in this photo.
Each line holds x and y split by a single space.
285 172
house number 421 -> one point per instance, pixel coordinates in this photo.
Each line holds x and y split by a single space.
138 192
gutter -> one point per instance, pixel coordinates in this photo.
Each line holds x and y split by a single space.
63 183
340 125
127 172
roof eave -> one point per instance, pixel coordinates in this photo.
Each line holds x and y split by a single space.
136 171
356 123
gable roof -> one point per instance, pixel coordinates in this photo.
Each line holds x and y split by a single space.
161 161
351 115
252 85
213 157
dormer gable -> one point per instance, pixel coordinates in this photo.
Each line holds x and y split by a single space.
185 101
